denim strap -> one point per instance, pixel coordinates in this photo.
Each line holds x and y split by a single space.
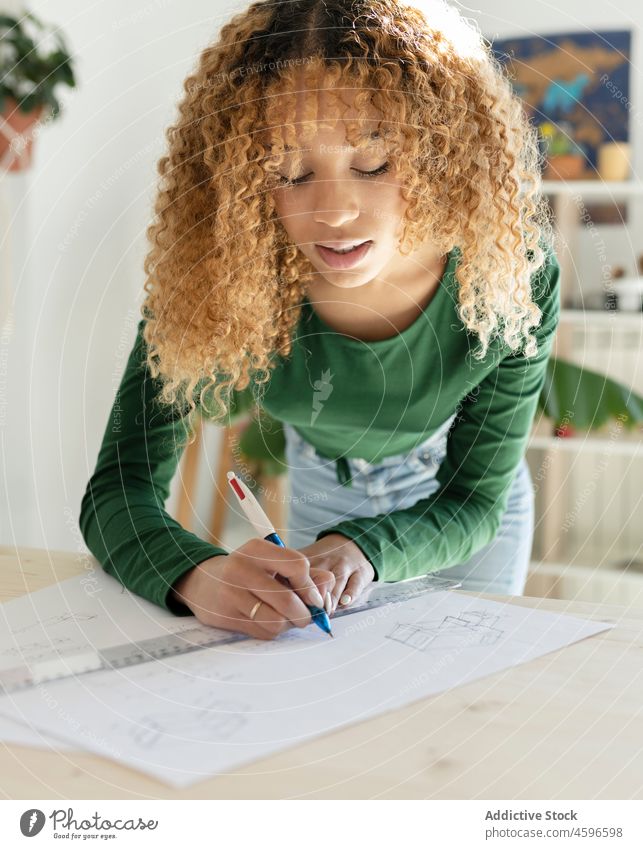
342 467
343 472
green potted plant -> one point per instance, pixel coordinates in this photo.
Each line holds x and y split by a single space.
262 442
565 157
578 399
33 61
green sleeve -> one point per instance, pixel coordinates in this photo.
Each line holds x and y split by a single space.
484 447
122 515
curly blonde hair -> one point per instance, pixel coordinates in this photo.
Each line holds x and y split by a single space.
224 285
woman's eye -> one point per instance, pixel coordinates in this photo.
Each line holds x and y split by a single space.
381 170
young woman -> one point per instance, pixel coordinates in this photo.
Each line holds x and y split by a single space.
349 224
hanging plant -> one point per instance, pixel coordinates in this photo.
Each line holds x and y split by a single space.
33 60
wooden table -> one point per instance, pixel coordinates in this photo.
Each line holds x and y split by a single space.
568 725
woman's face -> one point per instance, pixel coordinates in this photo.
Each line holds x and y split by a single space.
335 200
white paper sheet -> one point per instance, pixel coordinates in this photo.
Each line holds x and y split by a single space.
186 718
89 611
75 614
18 734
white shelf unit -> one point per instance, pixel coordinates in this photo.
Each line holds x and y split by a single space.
565 197
576 445
600 584
589 501
601 189
618 318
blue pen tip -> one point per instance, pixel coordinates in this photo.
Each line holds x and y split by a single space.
320 617
325 627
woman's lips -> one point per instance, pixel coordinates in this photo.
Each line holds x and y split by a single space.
347 260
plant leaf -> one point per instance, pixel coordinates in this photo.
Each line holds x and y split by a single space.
586 399
264 441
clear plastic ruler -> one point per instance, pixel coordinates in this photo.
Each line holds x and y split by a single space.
191 639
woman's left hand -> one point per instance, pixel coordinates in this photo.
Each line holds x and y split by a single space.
353 572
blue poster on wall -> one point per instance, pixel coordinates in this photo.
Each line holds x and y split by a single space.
574 86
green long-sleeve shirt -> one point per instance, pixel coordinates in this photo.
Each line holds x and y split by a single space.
349 398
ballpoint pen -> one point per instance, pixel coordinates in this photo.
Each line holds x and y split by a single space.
264 528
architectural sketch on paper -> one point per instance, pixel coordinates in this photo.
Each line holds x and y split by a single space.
56 620
472 628
217 722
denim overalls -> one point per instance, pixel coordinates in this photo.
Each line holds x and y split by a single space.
317 500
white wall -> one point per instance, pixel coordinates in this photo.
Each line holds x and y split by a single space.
78 222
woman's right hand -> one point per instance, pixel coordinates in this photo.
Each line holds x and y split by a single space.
222 590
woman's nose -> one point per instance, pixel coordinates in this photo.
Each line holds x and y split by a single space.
336 203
